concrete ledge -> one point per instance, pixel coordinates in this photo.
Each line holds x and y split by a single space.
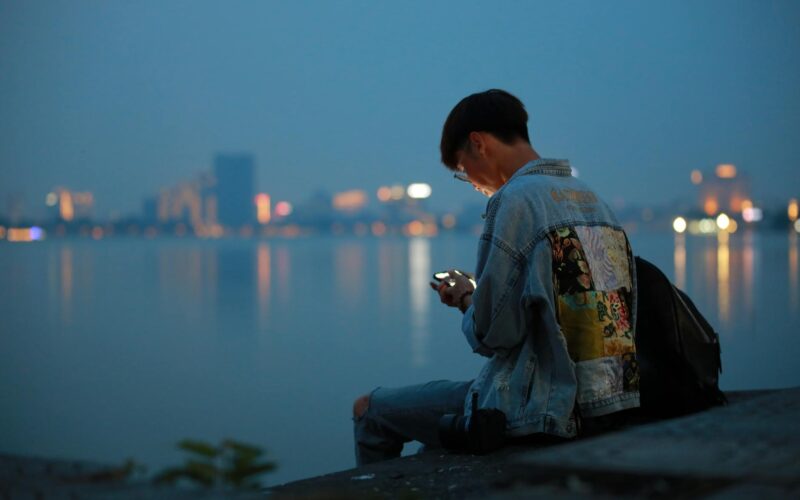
749 448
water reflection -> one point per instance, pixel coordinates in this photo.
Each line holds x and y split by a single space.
212 273
66 284
283 263
793 293
680 261
710 265
235 305
194 271
349 273
191 271
164 268
389 263
723 277
264 270
419 272
748 268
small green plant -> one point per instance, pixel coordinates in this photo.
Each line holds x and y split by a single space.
231 464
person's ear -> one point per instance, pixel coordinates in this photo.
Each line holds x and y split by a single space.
477 142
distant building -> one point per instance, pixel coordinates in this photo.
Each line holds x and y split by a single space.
726 190
189 204
150 210
208 198
184 204
66 205
235 189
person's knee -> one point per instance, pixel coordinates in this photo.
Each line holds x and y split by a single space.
361 406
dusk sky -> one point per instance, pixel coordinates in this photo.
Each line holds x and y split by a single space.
123 98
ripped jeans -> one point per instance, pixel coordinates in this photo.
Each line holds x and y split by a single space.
411 413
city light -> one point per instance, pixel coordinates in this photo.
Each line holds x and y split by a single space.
350 201
51 199
575 172
86 199
752 214
419 191
792 210
679 224
746 204
378 228
726 171
397 192
448 221
697 177
263 214
736 204
723 221
2 232
25 234
384 193
710 206
283 208
414 228
797 225
707 226
65 208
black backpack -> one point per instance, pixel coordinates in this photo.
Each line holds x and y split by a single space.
677 350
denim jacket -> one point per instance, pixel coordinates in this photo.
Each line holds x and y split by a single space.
554 305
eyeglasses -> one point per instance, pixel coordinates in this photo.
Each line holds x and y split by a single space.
461 175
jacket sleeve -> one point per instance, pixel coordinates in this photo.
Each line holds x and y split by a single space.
510 289
494 324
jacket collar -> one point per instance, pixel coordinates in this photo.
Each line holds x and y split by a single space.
545 166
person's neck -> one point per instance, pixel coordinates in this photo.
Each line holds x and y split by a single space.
516 157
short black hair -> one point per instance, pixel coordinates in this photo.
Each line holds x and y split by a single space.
494 111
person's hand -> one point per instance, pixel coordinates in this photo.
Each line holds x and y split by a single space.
455 291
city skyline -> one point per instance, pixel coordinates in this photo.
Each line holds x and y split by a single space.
221 201
722 188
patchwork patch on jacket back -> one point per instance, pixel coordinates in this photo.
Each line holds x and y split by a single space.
593 290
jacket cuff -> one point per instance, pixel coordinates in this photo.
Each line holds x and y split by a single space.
468 329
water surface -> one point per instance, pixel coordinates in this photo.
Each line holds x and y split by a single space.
121 347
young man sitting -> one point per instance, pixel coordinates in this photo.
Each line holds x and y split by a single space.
553 309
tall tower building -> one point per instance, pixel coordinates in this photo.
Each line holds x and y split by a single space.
235 188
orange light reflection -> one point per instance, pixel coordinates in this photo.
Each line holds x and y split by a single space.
723 277
680 261
793 293
66 284
748 258
263 264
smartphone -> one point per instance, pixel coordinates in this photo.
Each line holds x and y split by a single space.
441 275
445 276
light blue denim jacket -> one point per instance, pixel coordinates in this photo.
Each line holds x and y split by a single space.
554 307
